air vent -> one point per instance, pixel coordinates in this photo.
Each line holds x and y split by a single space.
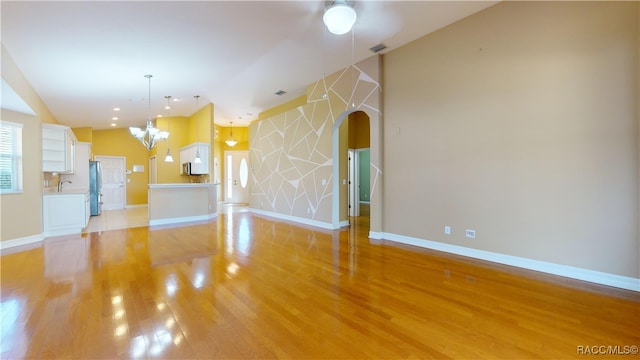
378 48
280 92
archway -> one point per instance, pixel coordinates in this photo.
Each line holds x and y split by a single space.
339 210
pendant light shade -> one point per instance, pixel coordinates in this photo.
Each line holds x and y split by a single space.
230 141
339 18
197 159
168 158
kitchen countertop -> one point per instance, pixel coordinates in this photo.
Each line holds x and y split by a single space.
54 191
180 185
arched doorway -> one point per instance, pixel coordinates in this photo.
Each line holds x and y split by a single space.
351 131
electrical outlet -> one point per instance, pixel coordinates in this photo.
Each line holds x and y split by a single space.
470 233
447 230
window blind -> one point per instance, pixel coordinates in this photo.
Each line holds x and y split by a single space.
10 157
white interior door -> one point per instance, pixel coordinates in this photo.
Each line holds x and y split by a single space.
236 176
113 182
354 186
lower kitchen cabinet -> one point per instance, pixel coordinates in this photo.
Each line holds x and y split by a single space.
65 213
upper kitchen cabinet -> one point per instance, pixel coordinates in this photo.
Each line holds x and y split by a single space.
188 155
58 149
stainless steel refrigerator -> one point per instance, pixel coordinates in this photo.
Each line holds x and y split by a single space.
95 187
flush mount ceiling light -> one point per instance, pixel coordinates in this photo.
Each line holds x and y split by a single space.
150 136
339 17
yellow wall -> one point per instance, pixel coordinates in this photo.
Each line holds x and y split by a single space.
119 142
84 134
178 127
289 105
182 132
359 128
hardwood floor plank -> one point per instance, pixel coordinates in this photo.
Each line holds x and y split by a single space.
245 287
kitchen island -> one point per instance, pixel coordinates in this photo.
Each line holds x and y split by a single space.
181 202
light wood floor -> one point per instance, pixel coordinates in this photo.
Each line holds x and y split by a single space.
245 287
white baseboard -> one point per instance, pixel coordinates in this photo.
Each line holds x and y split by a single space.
623 282
344 223
315 223
28 240
135 206
185 219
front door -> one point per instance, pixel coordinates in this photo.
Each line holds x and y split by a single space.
113 182
236 176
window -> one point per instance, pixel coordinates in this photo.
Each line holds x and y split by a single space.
10 157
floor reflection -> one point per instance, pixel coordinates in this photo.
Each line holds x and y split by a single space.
245 286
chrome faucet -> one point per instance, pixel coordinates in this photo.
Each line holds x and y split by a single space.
61 183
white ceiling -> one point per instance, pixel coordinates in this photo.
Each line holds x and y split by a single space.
85 58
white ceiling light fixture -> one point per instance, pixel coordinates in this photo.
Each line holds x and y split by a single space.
339 17
230 141
150 136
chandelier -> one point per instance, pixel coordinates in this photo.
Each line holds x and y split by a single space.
150 135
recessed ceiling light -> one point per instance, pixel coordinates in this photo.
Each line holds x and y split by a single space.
114 118
116 109
159 115
113 124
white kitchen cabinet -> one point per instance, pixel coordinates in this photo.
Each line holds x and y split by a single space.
58 149
65 213
188 154
80 177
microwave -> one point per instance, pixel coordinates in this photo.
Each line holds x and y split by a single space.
186 168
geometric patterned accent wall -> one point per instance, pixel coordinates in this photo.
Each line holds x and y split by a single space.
290 154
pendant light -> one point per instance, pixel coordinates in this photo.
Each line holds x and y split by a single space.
230 141
168 158
197 160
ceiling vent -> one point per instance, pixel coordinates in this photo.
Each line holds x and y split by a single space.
280 92
378 48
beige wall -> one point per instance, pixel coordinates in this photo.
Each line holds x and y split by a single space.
21 214
520 122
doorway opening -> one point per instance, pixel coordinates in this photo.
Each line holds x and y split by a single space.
353 169
359 164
